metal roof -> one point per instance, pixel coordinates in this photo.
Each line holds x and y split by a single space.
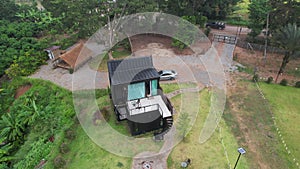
131 70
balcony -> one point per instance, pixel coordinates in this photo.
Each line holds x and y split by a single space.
148 104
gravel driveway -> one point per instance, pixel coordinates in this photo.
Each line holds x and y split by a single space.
190 68
83 78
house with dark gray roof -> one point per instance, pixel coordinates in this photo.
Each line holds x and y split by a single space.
137 96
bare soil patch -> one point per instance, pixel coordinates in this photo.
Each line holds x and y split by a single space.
21 90
253 59
140 42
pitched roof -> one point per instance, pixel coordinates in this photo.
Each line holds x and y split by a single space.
52 48
131 70
77 55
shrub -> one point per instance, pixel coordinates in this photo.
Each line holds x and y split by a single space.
71 71
255 78
36 151
64 148
201 20
191 19
70 134
207 31
284 82
179 44
235 57
120 164
105 113
59 162
269 80
297 84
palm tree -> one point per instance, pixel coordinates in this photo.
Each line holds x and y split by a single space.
288 38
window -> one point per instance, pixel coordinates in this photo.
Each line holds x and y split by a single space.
153 87
136 91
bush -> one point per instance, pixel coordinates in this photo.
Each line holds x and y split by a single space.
120 165
207 31
59 162
297 84
105 113
36 151
269 80
64 148
70 134
191 19
255 78
284 82
178 44
71 71
201 20
235 57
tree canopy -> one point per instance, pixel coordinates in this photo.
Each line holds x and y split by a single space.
281 13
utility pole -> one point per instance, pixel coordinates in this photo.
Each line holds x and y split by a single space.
266 39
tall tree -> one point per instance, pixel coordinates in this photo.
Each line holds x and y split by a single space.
8 10
259 10
83 17
288 39
285 11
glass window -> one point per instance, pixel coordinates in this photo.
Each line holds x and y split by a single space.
136 91
154 87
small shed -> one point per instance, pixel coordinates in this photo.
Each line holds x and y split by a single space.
74 57
53 52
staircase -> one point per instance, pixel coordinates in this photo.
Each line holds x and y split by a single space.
168 123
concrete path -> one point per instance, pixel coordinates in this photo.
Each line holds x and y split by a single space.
156 160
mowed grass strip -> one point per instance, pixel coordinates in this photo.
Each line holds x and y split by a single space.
284 101
210 154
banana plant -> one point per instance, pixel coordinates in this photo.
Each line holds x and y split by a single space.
11 128
4 151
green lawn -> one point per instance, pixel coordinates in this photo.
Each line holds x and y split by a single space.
84 153
210 154
100 62
285 105
171 87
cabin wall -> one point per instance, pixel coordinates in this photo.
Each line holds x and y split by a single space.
140 128
119 94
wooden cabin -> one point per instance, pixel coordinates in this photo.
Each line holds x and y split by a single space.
137 96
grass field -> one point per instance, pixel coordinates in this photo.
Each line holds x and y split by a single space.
251 121
84 153
220 151
285 105
171 87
